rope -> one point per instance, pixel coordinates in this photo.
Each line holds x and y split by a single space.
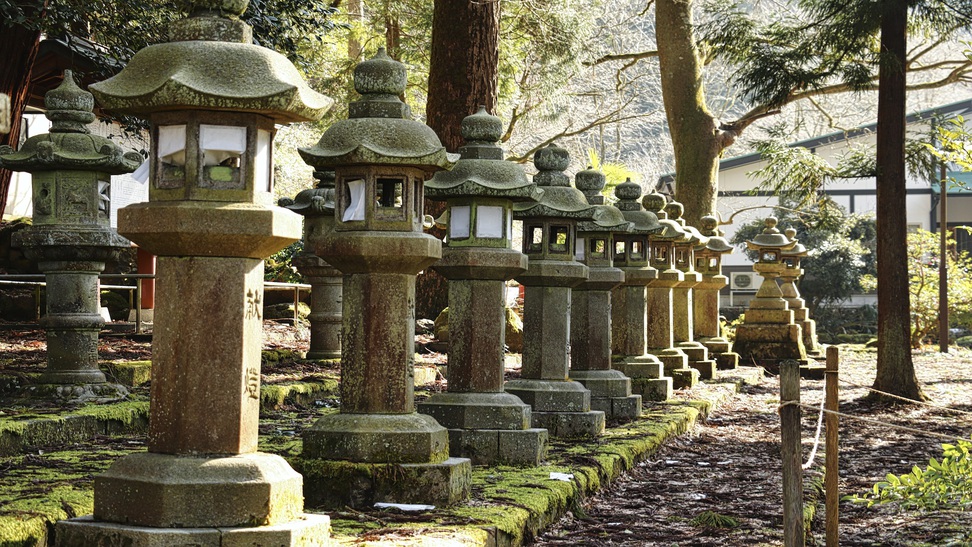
949 438
816 438
893 396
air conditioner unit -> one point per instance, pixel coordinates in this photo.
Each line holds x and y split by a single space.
742 281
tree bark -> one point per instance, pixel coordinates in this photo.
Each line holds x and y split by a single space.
696 137
19 45
895 369
463 74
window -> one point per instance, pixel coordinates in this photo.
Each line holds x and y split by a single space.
459 222
579 253
354 199
263 163
769 256
171 151
598 248
713 262
489 221
558 239
661 253
533 237
699 263
637 250
389 192
619 250
222 146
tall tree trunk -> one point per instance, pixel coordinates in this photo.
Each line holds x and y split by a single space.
19 46
696 137
463 74
355 16
895 369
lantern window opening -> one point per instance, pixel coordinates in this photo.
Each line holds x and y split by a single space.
533 238
489 221
353 200
769 256
680 258
713 262
104 198
559 239
790 262
171 154
598 248
637 250
418 193
221 148
699 263
459 219
389 192
579 253
661 253
619 250
263 161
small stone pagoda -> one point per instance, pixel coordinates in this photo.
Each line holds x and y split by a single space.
662 310
769 333
378 448
213 100
316 205
590 321
71 239
561 405
683 325
708 262
485 424
629 301
788 286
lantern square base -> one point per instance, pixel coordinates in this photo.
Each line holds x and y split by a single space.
705 367
685 378
618 408
307 531
571 425
333 484
498 446
472 411
603 383
727 361
653 389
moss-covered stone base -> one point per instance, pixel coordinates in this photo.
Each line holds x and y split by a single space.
653 389
331 484
130 373
727 361
23 432
684 378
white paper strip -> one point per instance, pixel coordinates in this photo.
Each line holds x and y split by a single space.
489 221
221 142
261 164
172 144
355 211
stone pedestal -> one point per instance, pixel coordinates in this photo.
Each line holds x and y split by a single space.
560 405
629 318
660 329
486 424
683 305
325 316
788 286
209 220
707 327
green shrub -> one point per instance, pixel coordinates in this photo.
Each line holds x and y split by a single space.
945 484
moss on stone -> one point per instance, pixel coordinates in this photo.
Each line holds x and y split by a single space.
274 396
25 430
129 373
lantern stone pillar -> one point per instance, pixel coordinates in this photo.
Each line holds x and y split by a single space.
485 423
378 448
561 405
769 334
661 304
683 296
316 205
71 239
801 315
630 301
590 322
708 262
213 99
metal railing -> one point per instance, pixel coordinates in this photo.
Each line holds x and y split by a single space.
134 291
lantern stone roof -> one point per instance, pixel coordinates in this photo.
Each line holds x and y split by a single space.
798 249
378 130
70 144
710 229
771 237
559 199
645 222
315 201
607 218
210 63
482 170
675 210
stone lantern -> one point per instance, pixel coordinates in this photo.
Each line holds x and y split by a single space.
801 315
683 296
769 334
316 205
629 301
662 310
213 99
590 320
708 262
70 238
561 405
485 423
381 159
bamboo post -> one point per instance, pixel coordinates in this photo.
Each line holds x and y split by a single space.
832 404
791 433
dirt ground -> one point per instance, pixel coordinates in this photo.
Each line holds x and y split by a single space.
729 465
